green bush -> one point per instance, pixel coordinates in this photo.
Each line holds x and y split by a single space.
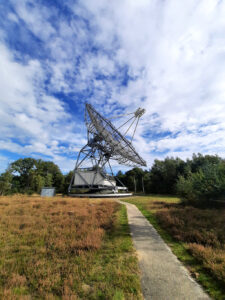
184 188
208 183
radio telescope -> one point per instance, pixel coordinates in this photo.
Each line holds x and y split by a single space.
93 175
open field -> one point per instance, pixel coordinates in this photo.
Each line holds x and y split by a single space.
65 248
196 236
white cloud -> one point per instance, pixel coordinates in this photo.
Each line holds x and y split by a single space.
36 18
176 50
173 52
38 122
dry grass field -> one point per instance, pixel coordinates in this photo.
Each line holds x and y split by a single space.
65 248
190 230
203 230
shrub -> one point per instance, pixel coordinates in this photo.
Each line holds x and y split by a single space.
184 188
208 183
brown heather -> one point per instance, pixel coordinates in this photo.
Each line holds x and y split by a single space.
49 247
195 235
202 230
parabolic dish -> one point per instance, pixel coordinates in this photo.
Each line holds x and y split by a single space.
117 147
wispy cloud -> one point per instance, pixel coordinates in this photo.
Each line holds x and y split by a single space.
167 57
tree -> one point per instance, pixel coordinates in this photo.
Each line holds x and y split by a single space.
30 174
49 169
207 183
5 183
164 174
147 180
131 177
38 183
49 180
199 160
23 167
67 179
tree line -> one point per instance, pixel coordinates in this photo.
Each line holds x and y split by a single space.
200 178
29 175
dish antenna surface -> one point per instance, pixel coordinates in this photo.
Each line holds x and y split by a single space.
105 142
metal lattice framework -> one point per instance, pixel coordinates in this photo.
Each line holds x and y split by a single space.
105 142
110 140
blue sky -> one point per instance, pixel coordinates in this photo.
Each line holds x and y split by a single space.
165 56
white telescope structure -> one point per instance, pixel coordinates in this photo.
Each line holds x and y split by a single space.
105 142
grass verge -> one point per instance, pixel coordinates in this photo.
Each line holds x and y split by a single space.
119 262
185 230
66 249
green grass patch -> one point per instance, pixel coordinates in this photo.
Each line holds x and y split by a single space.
118 262
151 207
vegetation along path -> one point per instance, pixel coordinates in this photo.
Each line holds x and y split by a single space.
162 275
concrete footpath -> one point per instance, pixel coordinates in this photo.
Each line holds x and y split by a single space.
163 277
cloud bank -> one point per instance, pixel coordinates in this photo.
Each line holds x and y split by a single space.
167 57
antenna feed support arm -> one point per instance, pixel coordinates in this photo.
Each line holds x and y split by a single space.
139 112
